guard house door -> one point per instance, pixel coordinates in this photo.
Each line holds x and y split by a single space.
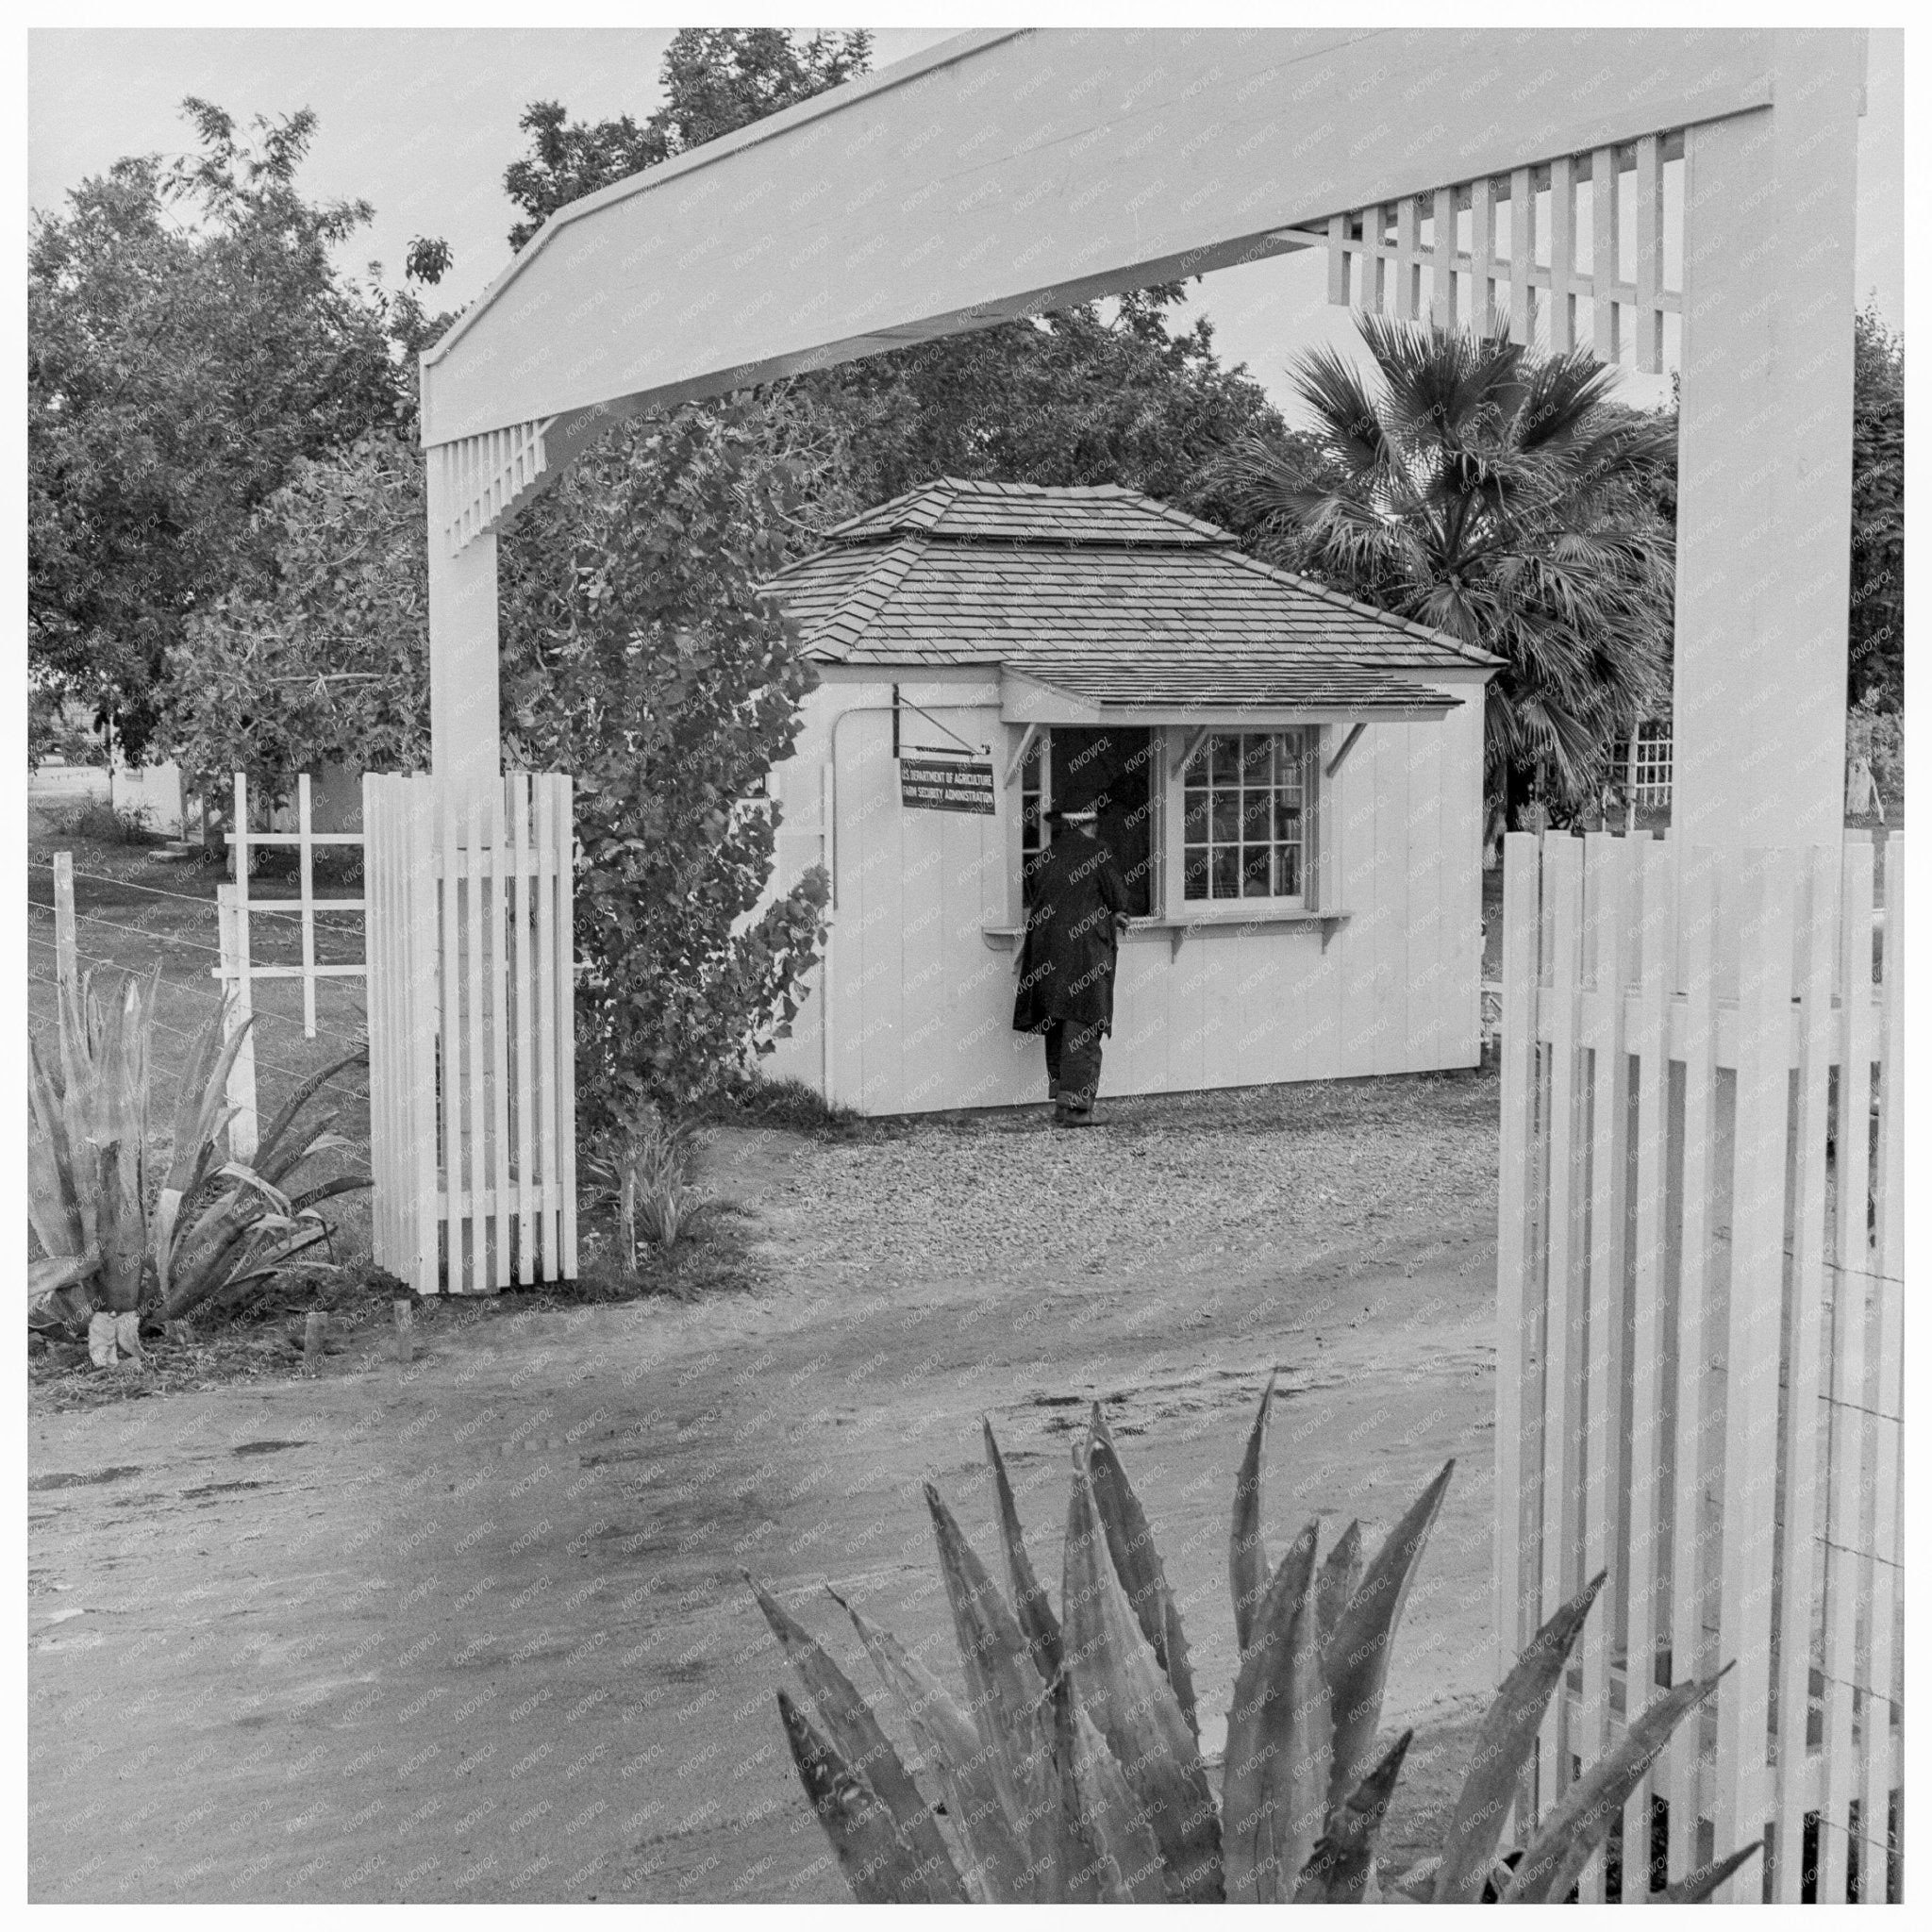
1111 766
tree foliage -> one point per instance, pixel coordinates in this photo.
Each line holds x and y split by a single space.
189 342
1877 627
716 79
1094 393
1501 495
642 659
319 654
638 654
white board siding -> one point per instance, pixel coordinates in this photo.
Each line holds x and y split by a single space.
921 1005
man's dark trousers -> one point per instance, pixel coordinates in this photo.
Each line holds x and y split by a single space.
1073 1063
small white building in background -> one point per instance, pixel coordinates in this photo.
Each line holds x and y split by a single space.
1290 781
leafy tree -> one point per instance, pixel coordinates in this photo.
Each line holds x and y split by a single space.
1878 516
1499 494
715 79
638 654
643 660
1080 397
320 654
189 343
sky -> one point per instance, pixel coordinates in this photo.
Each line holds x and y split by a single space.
422 121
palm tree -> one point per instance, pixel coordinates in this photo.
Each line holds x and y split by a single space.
1498 493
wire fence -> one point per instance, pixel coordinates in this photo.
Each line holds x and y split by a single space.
179 932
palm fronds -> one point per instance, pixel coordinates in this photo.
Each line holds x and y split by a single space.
1497 493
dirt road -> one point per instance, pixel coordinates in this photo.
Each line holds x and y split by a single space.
476 1629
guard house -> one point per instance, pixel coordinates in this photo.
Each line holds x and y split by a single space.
1290 781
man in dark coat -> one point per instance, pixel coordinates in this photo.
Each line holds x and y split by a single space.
1078 912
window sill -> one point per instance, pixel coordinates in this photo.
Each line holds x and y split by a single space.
1001 937
1235 913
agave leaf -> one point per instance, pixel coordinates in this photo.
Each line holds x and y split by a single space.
1274 1773
269 1150
1133 1705
878 1863
1568 1837
995 1849
200 1100
1337 1874
848 1719
167 1211
201 1118
1002 1690
1108 1849
1357 1659
1339 1577
54 1207
1075 1872
241 1173
1503 1747
1031 1601
1247 1556
52 1273
327 1191
1696 1888
278 1224
1137 1563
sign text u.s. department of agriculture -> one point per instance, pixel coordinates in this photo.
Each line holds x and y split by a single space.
946 785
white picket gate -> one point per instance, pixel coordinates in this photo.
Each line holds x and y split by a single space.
473 1122
1700 1313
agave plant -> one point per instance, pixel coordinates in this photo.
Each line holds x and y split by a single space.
221 1224
215 1226
1074 1773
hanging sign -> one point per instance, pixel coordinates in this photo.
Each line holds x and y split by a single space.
946 785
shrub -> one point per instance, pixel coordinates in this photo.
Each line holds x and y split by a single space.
646 1162
1074 1770
100 823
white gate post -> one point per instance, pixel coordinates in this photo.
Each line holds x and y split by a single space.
465 732
237 1009
1764 457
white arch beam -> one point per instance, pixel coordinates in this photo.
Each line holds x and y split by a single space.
1002 172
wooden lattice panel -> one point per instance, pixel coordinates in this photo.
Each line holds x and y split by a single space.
488 475
1517 251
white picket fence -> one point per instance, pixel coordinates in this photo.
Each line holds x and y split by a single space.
1700 1310
473 1123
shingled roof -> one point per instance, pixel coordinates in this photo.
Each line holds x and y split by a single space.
1105 594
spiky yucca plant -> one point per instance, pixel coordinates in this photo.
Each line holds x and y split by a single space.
215 1226
1074 1773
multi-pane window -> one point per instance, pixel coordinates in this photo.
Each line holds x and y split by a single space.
1244 821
